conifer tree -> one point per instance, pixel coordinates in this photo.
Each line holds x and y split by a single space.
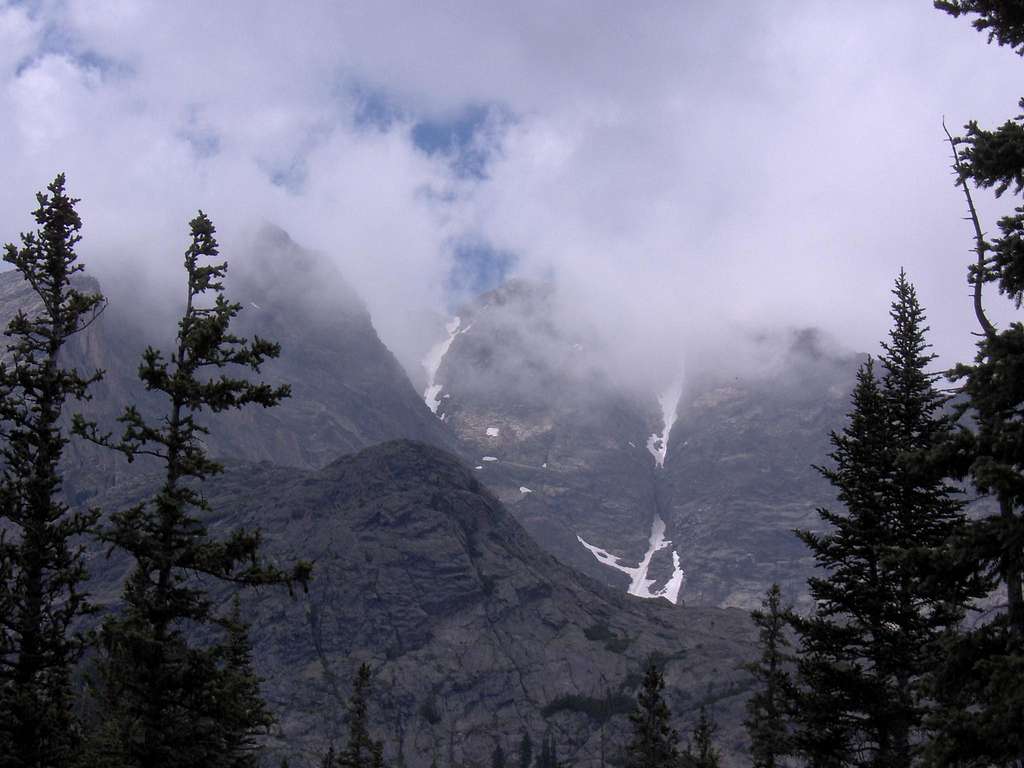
361 751
887 594
768 713
41 565
702 751
980 685
654 743
498 757
525 751
548 757
171 699
243 713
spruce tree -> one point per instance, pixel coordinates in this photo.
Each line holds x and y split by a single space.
888 593
498 757
768 708
702 751
525 751
243 713
654 743
980 685
172 699
548 757
41 566
361 751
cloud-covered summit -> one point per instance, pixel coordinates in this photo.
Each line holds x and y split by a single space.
679 170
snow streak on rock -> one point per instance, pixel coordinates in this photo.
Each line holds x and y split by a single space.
493 431
524 489
639 584
432 363
657 443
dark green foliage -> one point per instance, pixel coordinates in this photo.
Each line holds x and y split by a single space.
172 699
654 743
701 750
548 757
429 711
41 565
525 751
889 591
768 709
243 712
1002 20
498 757
602 634
598 709
979 685
361 751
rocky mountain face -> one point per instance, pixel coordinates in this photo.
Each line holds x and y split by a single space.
739 474
468 586
689 494
476 635
348 390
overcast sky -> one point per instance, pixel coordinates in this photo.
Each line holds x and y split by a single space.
682 170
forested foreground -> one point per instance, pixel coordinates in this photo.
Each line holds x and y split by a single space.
914 654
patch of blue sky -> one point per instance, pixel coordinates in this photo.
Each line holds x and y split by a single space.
477 267
469 138
373 108
204 143
202 138
291 170
56 41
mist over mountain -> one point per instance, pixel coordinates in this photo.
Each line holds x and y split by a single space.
688 490
553 525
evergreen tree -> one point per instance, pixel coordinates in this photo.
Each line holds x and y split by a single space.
702 751
361 751
548 757
172 700
654 743
243 713
41 565
888 594
767 720
980 685
498 757
525 751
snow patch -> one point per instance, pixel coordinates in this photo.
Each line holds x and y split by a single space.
478 466
432 363
524 489
657 443
493 431
639 584
490 458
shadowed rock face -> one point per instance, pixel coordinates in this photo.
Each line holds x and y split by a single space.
739 477
548 433
474 632
570 452
524 400
348 391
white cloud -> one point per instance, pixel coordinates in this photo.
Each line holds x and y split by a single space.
679 168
